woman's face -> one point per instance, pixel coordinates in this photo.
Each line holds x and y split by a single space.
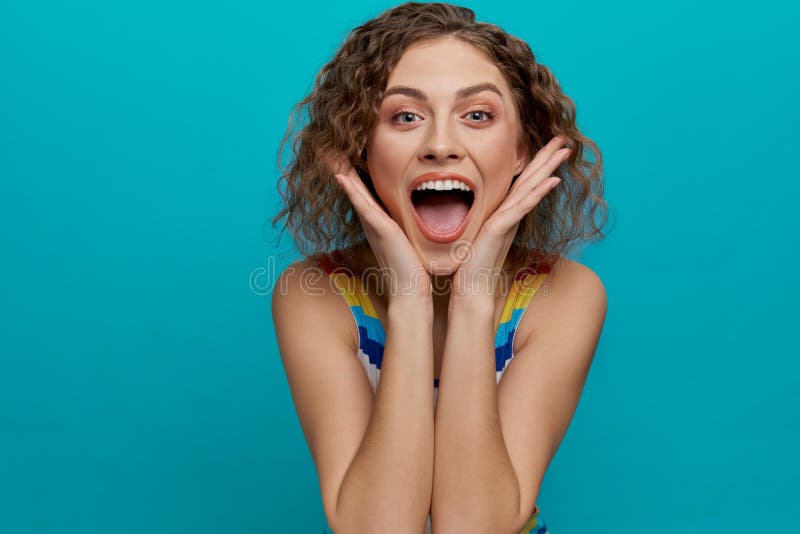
446 109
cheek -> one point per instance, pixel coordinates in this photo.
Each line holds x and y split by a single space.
379 158
388 150
385 164
496 156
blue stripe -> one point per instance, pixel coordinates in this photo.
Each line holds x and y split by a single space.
372 348
504 341
373 325
373 338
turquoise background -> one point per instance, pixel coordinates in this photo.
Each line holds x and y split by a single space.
140 385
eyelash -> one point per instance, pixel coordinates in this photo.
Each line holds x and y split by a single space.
489 115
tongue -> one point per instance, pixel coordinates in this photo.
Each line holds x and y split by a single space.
442 212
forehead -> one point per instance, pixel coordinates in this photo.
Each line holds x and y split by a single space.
445 65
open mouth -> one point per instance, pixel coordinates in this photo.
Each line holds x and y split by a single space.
442 208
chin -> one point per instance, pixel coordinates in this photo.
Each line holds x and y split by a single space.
442 269
443 259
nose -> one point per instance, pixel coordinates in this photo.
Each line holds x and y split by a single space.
441 144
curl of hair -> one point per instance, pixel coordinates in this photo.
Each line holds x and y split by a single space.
343 108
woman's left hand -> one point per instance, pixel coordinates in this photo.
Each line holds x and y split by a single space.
484 258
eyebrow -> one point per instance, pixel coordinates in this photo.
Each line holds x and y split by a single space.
464 92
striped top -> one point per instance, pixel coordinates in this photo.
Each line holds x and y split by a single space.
372 336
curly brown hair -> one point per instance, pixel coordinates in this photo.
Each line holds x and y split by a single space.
343 109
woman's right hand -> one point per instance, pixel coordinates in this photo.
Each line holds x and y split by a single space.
399 264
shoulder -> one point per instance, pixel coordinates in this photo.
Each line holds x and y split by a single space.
573 282
571 295
304 293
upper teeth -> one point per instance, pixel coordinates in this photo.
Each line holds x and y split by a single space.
443 185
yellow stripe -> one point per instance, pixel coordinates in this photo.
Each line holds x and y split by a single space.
351 289
529 288
519 296
521 293
346 287
508 308
366 304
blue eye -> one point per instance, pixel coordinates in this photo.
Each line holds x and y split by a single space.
397 117
404 114
489 114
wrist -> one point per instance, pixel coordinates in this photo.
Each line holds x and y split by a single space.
478 284
415 305
479 305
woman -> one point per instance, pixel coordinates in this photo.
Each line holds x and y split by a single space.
437 185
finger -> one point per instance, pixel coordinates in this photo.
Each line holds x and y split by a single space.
362 201
361 205
340 166
359 185
546 152
520 209
529 181
500 224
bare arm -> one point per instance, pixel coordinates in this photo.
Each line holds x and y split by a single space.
494 442
374 455
388 485
475 489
